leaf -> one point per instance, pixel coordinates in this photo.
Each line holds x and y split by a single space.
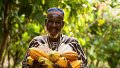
101 22
27 10
38 15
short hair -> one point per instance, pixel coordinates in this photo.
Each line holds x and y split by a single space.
55 9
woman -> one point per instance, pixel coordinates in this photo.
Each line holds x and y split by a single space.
55 40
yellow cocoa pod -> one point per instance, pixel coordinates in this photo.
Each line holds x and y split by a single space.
47 62
62 62
29 60
76 63
54 56
70 55
35 53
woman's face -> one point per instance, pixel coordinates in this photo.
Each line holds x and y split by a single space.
54 24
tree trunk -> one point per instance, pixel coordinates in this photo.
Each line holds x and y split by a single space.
3 59
5 27
8 58
97 63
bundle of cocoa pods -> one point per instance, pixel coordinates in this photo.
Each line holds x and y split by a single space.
61 59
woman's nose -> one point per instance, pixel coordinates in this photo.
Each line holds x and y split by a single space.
54 24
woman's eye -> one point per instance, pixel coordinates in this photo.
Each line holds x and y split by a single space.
58 22
50 21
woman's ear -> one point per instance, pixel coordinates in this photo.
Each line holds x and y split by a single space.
45 21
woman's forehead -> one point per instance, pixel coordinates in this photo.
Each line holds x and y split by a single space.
55 12
54 16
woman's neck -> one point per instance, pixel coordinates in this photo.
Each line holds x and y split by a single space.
54 39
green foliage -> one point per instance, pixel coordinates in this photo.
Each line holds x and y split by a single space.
94 23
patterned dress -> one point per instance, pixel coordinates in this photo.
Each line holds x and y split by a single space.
66 43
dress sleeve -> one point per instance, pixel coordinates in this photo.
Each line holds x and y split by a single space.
81 55
33 43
